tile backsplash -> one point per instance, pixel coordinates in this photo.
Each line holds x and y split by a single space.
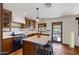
7 33
16 30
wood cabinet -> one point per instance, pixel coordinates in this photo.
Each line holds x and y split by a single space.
7 45
7 15
29 48
42 27
30 23
27 22
1 8
23 26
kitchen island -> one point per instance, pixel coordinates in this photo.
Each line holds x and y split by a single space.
31 44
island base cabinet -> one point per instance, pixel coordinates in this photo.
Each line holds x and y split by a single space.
29 48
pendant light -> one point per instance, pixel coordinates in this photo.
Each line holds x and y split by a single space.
37 18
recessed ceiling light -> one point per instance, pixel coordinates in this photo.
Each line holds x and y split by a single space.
24 13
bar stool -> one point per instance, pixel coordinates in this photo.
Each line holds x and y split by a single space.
45 50
48 49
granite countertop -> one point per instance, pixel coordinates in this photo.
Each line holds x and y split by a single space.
6 37
42 40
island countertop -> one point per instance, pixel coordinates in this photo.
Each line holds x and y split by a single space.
42 40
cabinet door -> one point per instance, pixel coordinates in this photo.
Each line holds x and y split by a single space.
32 23
27 22
8 45
7 19
29 48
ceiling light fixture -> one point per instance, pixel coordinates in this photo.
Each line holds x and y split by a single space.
37 18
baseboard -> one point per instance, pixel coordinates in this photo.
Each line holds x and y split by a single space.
65 44
68 45
76 46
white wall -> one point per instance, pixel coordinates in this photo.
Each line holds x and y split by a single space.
69 24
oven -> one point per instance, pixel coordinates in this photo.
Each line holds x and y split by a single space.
17 44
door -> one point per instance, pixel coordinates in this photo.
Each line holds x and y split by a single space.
57 31
0 28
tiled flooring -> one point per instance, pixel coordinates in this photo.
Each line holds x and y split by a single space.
59 49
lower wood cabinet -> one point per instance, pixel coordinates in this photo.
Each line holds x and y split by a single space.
7 45
29 48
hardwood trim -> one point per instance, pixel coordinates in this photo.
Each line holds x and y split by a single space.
1 9
77 18
68 45
61 29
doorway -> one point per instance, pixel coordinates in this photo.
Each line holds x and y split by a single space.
57 32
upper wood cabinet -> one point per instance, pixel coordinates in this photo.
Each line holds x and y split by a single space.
41 27
23 26
30 23
7 16
27 22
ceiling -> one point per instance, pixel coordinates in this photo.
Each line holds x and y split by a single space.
57 9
